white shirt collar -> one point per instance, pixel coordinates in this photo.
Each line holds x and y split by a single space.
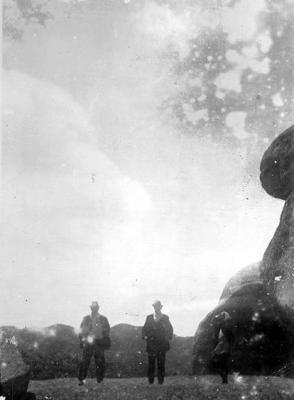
157 317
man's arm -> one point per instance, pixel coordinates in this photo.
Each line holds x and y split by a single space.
82 327
145 329
169 329
106 327
82 334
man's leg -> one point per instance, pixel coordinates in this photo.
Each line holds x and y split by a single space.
161 366
86 359
99 363
151 367
29 396
224 367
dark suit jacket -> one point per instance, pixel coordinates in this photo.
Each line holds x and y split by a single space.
158 334
86 327
223 337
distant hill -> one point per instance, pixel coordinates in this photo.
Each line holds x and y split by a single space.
55 352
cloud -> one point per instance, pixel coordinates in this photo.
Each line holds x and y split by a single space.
81 229
236 122
171 28
63 200
226 81
277 100
49 142
264 41
240 21
240 62
194 116
176 219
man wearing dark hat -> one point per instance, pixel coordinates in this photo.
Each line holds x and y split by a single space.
94 340
157 331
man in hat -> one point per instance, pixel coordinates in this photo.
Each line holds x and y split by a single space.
94 340
157 331
223 336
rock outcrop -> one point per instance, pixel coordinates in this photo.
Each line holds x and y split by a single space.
277 177
277 268
277 166
263 337
14 374
247 276
260 298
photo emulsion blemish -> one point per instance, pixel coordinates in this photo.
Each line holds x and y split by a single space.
147 200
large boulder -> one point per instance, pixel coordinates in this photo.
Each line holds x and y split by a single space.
277 166
246 276
14 373
277 268
260 298
263 333
277 177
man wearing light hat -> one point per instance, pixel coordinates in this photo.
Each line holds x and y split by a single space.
157 331
94 340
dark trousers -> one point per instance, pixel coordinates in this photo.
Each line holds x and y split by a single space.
221 365
158 358
97 351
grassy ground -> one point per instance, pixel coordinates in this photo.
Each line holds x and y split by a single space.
174 388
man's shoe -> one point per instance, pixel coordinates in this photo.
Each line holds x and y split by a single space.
99 380
81 382
151 381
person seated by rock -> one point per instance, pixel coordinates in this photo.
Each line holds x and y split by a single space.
223 336
157 331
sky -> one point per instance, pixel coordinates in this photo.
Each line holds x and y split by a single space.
131 140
